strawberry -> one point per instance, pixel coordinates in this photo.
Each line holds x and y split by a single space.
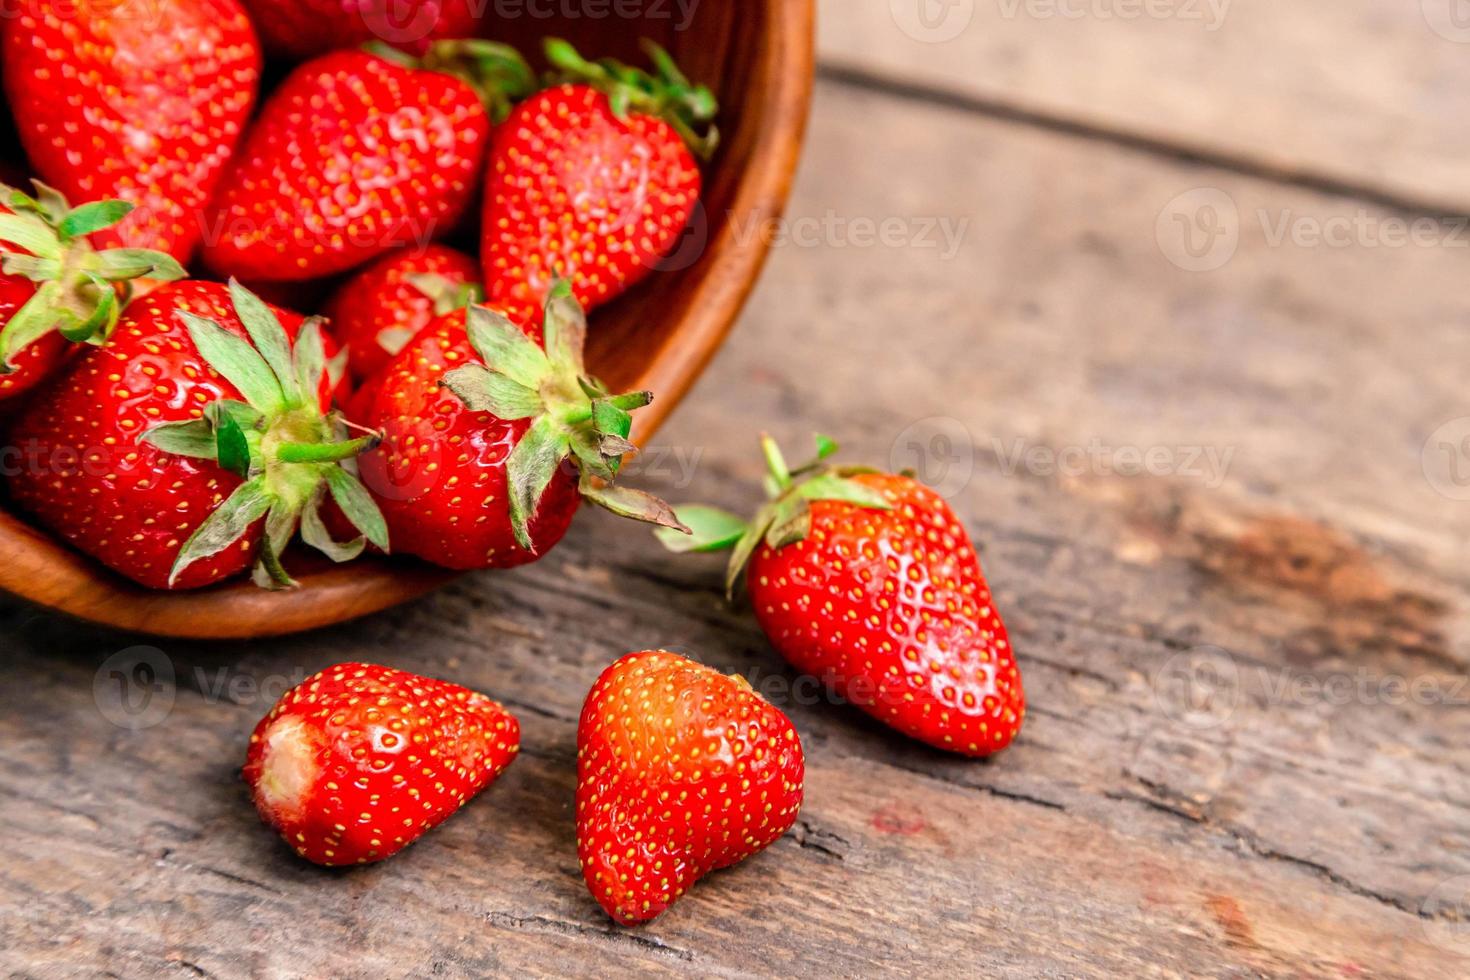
380 309
54 286
869 581
485 435
306 28
180 452
592 182
357 762
681 770
353 155
142 102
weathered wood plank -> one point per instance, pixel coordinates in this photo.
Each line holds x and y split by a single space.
1290 835
1363 92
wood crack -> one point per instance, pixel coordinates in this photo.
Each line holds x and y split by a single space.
562 927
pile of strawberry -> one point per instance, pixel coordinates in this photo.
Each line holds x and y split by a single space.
183 430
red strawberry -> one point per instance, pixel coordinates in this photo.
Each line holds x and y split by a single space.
869 581
56 288
591 182
306 28
352 156
484 436
358 761
143 102
380 309
180 453
681 770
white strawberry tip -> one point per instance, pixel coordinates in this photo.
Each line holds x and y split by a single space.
784 519
47 241
572 415
290 454
289 767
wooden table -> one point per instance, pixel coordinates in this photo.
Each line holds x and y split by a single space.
1218 508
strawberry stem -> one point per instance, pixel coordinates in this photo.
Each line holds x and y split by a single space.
326 452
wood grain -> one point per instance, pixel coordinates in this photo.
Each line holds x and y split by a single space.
1358 93
657 337
1272 832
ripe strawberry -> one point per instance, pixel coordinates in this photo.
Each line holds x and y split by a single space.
681 770
484 435
591 182
179 452
358 761
54 286
143 102
869 581
353 155
380 309
306 28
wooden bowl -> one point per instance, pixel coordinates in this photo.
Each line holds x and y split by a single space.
757 55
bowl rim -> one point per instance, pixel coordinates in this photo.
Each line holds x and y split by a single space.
46 572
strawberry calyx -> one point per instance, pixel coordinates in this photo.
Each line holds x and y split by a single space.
572 415
291 455
497 73
666 93
784 519
46 240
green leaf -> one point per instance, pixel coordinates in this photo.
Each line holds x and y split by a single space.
529 470
239 363
314 532
611 420
744 548
87 310
587 445
117 264
506 349
225 526
232 449
829 486
791 523
29 323
309 360
30 233
711 529
483 390
634 504
565 331
358 505
30 267
93 217
270 339
194 438
825 447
